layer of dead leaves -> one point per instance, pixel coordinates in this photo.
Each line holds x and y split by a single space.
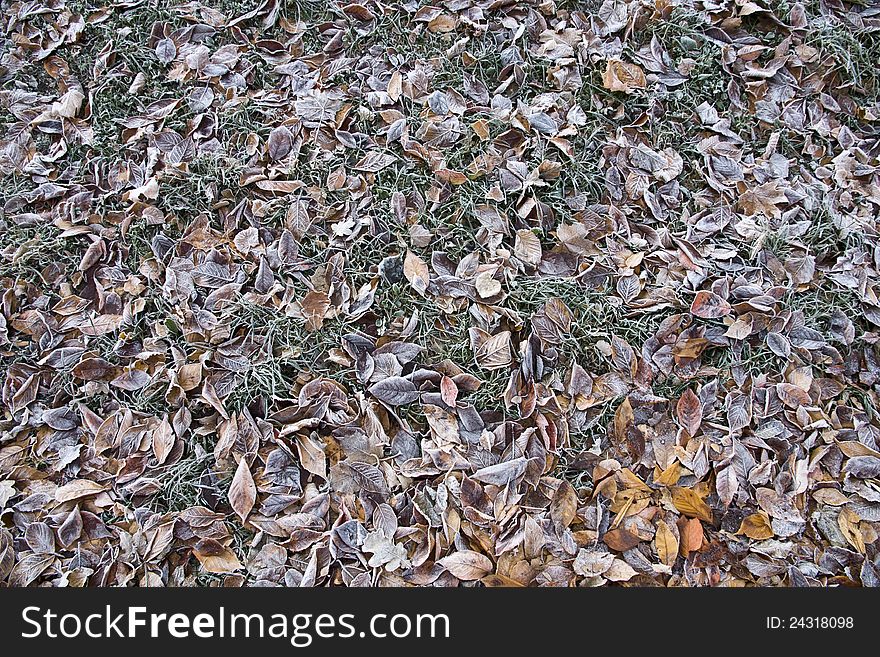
671 461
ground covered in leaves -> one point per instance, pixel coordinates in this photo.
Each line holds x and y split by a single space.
409 293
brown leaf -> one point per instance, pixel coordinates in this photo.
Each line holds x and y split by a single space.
492 352
502 473
627 432
395 86
395 390
375 161
467 565
40 538
623 418
726 484
708 305
448 391
629 287
312 456
280 143
563 506
189 376
368 477
94 369
243 491
314 307
619 571
763 199
133 379
216 557
691 536
527 247
500 581
623 76
689 412
26 393
620 540
671 475
848 522
77 489
163 441
416 272
756 526
100 325
71 529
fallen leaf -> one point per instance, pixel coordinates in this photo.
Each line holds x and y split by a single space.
689 412
666 544
416 272
467 565
243 491
708 305
395 390
623 76
690 504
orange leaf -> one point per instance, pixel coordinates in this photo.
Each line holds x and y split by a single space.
691 537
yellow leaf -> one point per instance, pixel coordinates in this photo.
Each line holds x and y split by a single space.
756 526
849 525
630 479
666 544
671 475
690 504
481 129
